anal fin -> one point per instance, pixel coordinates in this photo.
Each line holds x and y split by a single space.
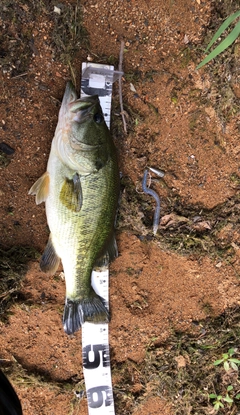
50 261
41 188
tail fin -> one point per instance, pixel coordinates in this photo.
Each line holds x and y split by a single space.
77 312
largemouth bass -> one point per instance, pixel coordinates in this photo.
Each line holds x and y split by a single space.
80 189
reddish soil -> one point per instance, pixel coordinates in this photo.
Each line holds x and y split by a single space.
175 123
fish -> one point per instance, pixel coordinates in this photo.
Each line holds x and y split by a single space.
80 189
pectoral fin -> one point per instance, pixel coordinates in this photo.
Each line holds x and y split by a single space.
71 193
50 261
41 188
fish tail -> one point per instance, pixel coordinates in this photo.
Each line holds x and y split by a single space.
76 312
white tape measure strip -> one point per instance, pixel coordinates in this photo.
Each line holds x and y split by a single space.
96 357
97 80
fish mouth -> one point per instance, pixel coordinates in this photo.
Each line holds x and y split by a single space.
83 108
79 145
70 94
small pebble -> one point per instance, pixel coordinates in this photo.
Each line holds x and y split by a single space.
5 148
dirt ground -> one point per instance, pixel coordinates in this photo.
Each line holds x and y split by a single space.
182 121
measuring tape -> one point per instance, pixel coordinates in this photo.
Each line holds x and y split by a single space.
97 80
96 356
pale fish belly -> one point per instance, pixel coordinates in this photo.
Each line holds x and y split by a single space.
75 236
64 228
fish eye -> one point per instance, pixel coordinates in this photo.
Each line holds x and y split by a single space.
98 118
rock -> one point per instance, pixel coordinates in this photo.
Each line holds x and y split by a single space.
6 149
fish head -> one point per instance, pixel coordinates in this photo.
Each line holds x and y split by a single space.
88 124
82 136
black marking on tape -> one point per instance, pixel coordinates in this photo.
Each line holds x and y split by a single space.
101 356
99 396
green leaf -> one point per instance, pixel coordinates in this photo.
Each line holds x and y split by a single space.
228 399
218 362
218 405
231 352
234 360
226 366
222 46
212 396
221 29
229 388
234 366
225 356
237 396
